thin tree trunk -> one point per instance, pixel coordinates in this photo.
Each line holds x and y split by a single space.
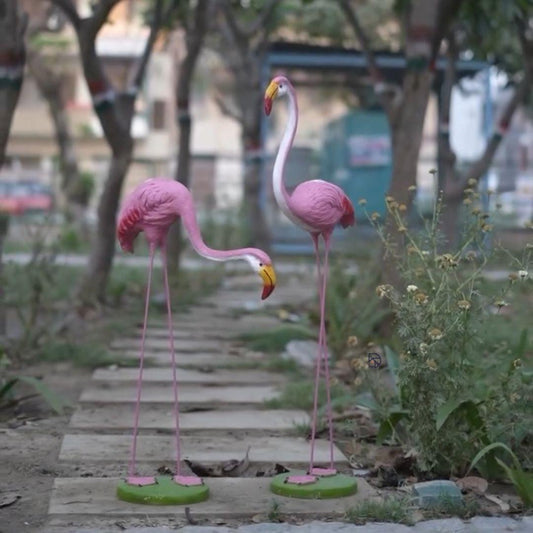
195 35
49 84
13 23
4 226
256 224
406 149
103 250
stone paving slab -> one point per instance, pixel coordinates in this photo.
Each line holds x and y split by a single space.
204 319
180 345
285 450
153 416
164 375
205 332
188 359
229 497
160 393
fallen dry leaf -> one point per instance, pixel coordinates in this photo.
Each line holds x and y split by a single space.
504 506
231 468
473 484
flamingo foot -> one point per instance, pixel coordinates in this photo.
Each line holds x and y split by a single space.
324 472
188 481
301 480
141 481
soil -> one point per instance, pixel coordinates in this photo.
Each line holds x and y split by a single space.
30 439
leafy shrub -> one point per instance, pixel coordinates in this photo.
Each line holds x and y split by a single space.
454 407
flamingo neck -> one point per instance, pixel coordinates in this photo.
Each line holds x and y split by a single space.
193 231
280 192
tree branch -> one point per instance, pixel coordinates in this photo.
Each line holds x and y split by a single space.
237 33
384 93
100 15
154 29
227 109
262 20
68 8
446 13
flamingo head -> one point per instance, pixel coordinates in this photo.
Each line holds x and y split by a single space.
262 264
277 87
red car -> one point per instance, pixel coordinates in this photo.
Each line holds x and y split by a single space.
24 197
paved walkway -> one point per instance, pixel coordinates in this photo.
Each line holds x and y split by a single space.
222 403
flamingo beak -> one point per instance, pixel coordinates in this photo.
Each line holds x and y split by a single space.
270 94
269 280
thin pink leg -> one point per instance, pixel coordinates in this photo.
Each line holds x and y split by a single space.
318 364
325 354
131 469
173 360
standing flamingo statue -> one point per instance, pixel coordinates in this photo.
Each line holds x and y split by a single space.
152 207
316 206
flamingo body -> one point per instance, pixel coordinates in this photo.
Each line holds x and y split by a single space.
151 208
317 206
320 205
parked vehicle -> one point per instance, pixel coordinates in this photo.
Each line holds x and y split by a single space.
25 197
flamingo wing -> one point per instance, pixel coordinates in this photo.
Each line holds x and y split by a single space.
321 205
151 207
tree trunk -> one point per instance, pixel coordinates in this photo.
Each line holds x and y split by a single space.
4 226
195 35
103 250
406 135
49 84
13 24
258 233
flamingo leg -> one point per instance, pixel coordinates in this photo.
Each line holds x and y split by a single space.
318 362
324 346
131 469
172 359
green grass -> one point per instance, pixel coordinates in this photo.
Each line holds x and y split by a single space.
83 355
389 510
275 340
446 506
299 395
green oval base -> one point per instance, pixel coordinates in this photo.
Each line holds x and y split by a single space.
337 486
165 492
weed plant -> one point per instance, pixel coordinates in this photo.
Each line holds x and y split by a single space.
452 407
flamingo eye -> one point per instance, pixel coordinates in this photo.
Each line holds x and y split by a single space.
260 264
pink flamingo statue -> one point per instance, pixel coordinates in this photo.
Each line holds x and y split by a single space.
316 206
152 207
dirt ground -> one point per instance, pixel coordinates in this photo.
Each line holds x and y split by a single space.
30 438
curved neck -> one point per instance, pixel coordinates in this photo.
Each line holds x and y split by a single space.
193 231
280 192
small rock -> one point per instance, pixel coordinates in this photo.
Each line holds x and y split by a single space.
303 352
432 493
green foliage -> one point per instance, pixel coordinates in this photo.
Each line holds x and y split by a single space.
353 309
274 512
522 480
70 239
275 340
449 402
9 385
447 506
299 395
389 510
89 355
482 23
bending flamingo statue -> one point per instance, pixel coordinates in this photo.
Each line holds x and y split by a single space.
316 206
152 207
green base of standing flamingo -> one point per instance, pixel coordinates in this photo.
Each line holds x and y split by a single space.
336 486
164 492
